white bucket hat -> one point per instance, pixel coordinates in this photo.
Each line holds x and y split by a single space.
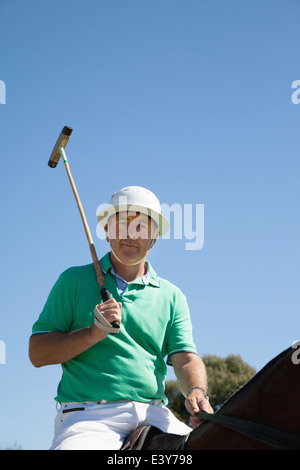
137 199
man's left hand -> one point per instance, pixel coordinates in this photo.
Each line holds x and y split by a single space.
197 402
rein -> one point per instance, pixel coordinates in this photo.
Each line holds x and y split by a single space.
273 437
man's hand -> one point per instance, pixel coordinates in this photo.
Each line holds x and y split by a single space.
196 402
110 311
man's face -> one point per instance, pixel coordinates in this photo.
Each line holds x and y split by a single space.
131 235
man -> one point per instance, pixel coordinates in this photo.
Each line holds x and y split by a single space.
113 381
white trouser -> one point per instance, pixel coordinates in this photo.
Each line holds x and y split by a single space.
105 425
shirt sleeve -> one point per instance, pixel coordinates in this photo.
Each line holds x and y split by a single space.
180 337
57 314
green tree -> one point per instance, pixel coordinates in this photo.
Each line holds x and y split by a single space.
225 377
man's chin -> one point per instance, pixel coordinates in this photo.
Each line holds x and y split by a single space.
129 260
129 255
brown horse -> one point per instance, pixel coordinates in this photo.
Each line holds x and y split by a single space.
262 415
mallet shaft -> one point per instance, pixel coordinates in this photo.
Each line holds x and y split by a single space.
98 270
57 152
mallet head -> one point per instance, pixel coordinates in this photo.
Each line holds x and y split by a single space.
61 142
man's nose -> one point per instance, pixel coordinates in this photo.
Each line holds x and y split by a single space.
132 231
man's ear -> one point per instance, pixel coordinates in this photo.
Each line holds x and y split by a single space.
106 231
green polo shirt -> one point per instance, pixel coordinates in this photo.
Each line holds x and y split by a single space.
130 365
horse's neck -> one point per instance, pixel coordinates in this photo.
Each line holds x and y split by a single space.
269 398
265 397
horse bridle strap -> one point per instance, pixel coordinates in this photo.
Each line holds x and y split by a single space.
283 440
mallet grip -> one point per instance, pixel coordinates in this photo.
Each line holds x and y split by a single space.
106 296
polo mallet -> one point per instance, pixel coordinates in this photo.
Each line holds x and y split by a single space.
57 152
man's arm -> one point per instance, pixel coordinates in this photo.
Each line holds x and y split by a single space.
191 372
57 347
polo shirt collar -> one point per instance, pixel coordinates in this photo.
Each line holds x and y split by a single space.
150 278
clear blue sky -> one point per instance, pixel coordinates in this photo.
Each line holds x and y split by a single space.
191 99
